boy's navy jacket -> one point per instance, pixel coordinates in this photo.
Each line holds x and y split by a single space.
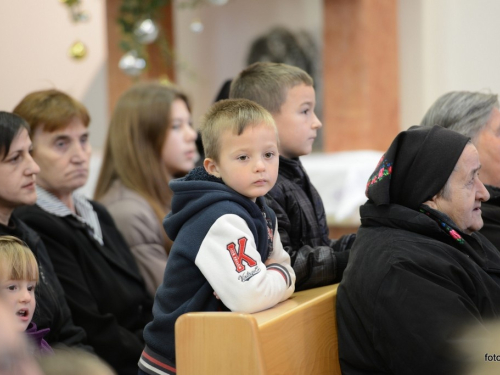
223 242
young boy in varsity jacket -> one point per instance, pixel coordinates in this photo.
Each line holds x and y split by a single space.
227 253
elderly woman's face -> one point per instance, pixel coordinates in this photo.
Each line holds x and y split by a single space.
18 171
462 203
63 157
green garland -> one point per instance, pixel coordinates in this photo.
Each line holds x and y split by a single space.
133 11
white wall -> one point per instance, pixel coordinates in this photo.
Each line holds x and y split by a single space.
35 36
446 45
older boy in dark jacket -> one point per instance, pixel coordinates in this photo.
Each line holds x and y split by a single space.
288 93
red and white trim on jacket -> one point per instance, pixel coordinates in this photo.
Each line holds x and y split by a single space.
154 364
283 271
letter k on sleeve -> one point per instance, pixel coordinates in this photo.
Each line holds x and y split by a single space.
230 261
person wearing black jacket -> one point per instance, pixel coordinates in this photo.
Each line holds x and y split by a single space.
317 259
102 284
18 171
476 115
103 287
419 272
491 216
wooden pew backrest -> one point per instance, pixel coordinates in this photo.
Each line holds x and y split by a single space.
297 336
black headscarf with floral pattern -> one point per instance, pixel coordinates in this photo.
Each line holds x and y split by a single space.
416 166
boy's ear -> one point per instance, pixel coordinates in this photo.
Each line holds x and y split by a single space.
211 167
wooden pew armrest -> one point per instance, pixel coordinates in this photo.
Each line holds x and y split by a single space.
297 336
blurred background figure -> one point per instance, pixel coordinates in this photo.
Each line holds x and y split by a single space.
16 356
150 141
479 346
74 362
280 45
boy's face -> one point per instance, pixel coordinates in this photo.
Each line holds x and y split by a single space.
297 123
248 163
20 295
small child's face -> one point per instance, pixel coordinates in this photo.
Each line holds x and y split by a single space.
248 163
297 123
20 295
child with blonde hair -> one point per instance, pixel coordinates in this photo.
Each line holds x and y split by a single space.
18 278
227 254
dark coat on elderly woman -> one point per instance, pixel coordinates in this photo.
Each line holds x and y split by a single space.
416 279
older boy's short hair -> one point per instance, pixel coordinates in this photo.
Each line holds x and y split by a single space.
268 83
52 109
231 114
17 261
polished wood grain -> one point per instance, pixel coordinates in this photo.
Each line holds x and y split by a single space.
297 336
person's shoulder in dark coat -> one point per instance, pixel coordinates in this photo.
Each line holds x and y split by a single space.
491 216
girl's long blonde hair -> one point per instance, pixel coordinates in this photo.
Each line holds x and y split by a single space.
134 143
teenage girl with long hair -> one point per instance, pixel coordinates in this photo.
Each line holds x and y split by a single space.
150 141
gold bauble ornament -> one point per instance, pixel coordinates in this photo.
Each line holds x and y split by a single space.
78 50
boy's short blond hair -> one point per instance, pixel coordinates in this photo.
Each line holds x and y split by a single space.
17 261
268 83
234 115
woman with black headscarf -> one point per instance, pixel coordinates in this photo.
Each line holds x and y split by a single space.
418 271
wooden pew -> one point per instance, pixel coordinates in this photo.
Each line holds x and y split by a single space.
297 336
